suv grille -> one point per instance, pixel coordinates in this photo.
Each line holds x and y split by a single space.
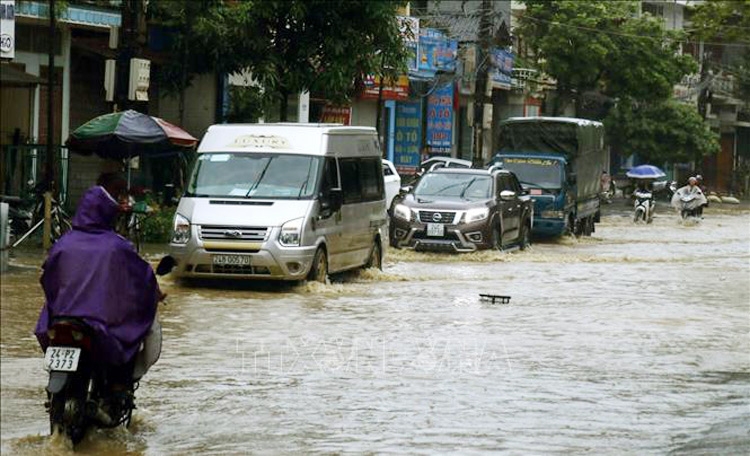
445 217
224 233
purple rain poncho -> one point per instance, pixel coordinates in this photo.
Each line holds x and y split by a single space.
94 274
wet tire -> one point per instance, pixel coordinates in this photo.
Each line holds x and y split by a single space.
376 257
496 242
525 237
319 270
639 215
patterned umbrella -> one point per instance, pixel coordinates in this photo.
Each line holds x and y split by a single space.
645 172
127 134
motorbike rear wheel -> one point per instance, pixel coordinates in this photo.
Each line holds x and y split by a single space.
68 416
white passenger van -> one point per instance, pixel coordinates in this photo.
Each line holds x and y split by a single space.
281 202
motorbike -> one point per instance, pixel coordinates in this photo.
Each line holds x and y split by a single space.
689 206
20 218
643 207
80 391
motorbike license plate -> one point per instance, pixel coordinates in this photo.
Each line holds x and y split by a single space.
62 358
435 229
231 260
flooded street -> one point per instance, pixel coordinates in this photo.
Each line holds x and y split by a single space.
636 340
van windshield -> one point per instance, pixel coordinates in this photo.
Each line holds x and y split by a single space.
255 175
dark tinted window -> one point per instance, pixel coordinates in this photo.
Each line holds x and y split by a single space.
372 179
350 180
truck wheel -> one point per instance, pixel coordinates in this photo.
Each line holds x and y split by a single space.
376 257
319 270
525 236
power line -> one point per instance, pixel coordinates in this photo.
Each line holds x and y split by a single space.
630 35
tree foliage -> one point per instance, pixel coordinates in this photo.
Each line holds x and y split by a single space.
323 46
602 46
668 131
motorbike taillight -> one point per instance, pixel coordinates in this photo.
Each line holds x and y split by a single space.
66 333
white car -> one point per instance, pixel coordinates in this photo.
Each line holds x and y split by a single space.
392 183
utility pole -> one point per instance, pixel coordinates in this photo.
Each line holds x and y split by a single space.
50 175
50 162
480 85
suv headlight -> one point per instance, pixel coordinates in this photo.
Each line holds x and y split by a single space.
180 229
291 233
476 214
403 212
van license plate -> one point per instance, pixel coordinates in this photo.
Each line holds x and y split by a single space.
231 260
62 358
435 229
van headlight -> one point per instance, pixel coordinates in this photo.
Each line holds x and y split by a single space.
291 233
180 230
477 214
403 212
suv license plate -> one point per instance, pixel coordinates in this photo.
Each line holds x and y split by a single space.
62 358
231 260
435 229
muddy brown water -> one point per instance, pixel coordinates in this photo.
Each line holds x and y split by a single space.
636 340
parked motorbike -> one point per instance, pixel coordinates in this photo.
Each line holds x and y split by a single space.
80 391
20 219
643 207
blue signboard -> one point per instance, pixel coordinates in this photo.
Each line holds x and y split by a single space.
501 68
408 138
440 119
435 52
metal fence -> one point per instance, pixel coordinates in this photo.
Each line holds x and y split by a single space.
22 168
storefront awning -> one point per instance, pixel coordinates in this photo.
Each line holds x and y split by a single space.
13 77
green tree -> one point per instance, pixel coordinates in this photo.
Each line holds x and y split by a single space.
324 46
603 47
663 132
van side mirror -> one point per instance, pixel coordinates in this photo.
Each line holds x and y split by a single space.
572 178
331 202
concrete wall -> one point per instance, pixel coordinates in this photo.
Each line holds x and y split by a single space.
200 106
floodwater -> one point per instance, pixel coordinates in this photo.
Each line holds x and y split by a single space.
636 340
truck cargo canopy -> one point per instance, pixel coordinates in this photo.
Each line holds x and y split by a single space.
568 136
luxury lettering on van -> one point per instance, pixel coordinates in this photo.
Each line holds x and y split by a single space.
531 161
260 141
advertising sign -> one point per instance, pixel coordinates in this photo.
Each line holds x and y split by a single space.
501 68
7 29
336 114
436 51
393 90
408 136
440 119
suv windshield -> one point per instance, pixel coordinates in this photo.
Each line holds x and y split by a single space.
255 175
466 186
535 172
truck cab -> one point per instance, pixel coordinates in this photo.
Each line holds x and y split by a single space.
558 161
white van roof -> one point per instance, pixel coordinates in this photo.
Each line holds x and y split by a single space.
276 137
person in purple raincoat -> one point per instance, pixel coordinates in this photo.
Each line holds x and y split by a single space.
96 275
